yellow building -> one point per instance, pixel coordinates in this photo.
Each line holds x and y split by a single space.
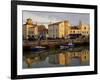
74 30
33 29
29 29
58 29
85 29
64 29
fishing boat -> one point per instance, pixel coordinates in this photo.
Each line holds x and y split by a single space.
66 46
38 48
70 44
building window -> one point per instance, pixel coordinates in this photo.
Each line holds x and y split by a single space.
73 31
84 57
84 27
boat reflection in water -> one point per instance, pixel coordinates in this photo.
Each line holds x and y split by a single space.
57 58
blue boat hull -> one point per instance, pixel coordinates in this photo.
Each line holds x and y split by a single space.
37 49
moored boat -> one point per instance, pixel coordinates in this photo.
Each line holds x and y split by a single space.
38 48
66 46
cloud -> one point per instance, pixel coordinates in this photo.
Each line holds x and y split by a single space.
47 17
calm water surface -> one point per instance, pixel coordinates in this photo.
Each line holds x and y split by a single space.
77 56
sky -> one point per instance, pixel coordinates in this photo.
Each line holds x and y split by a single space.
45 18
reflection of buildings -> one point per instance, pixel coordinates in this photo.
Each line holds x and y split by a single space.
30 61
62 58
34 58
63 29
65 58
32 29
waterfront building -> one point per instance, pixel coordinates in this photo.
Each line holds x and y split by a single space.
58 29
74 30
85 29
29 29
81 29
63 29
